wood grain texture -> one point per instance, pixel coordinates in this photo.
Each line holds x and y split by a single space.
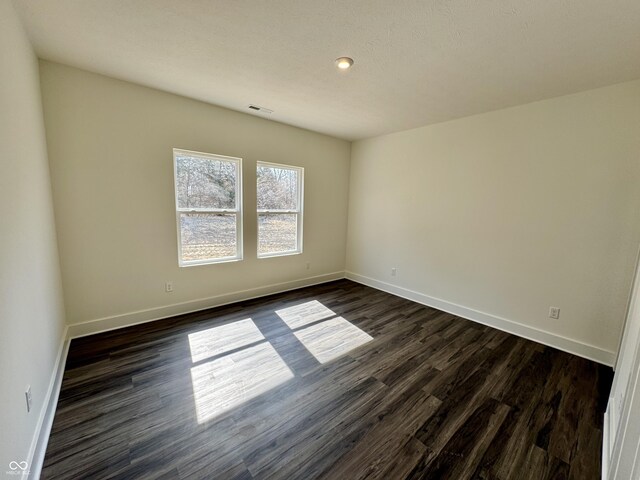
337 381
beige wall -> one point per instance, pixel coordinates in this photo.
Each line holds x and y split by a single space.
110 148
31 308
510 212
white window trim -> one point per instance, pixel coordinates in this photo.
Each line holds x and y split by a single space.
299 212
237 211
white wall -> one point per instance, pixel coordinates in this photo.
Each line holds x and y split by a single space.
31 308
508 213
110 148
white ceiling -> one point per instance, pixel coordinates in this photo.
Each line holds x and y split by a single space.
416 61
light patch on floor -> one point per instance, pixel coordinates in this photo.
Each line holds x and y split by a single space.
226 382
332 338
304 314
234 362
225 338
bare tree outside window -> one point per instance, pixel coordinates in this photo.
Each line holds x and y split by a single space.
208 207
279 202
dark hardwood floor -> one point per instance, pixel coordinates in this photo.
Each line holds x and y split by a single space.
337 381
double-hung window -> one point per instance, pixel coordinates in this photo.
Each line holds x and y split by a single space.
208 207
279 202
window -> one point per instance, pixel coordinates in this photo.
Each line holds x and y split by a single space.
208 207
279 198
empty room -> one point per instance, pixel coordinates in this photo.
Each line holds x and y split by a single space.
339 240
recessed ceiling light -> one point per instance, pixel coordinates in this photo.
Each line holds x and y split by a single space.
344 62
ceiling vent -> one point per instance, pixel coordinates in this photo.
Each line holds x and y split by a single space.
260 109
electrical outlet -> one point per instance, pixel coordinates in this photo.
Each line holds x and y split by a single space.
554 312
393 272
28 397
168 287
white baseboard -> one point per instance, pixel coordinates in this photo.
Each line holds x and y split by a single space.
45 420
38 446
575 347
142 316
569 345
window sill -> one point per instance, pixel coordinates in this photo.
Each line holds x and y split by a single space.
197 263
279 254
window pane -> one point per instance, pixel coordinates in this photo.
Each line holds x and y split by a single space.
207 236
277 233
277 188
205 183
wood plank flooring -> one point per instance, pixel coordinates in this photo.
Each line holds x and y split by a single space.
337 381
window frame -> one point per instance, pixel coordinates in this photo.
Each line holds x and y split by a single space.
299 212
210 211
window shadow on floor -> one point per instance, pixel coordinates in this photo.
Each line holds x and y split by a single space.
241 359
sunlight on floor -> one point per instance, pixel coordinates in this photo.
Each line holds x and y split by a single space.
226 382
330 339
304 314
235 362
214 341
